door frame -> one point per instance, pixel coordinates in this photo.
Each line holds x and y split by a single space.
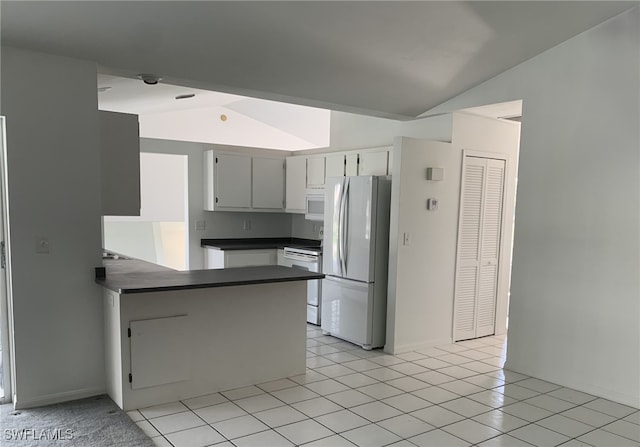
6 301
501 295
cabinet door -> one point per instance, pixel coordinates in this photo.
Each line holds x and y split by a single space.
373 163
232 181
315 172
334 166
213 258
247 258
159 351
351 164
268 183
296 183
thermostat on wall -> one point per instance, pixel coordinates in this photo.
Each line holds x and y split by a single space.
435 174
432 204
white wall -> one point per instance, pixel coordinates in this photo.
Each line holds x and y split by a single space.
575 307
217 224
54 192
262 124
352 131
422 273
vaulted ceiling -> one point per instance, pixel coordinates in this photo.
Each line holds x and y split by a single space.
386 58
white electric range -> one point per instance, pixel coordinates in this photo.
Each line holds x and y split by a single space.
307 258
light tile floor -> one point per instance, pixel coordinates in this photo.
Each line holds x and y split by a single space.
453 395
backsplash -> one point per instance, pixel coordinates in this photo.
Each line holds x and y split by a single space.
305 229
221 225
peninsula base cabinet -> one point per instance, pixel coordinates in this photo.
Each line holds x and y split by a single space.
172 345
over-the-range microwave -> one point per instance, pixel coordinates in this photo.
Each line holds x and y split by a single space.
314 204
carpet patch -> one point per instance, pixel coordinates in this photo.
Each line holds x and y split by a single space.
95 421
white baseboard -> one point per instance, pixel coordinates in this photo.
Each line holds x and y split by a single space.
56 398
399 349
589 388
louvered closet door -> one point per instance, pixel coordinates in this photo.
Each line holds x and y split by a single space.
479 237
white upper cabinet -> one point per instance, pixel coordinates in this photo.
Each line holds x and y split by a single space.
334 165
374 162
351 164
232 181
268 183
120 164
315 171
240 182
296 184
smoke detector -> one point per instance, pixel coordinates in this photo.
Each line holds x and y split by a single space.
149 79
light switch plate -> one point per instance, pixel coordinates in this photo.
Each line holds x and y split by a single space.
43 246
201 225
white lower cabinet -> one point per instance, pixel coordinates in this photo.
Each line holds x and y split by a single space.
159 351
219 259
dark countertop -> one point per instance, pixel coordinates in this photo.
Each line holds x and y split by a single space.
258 243
127 276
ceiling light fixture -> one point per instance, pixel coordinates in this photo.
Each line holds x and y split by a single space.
186 96
149 79
223 117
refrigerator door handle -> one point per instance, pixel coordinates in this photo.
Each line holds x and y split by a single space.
336 245
342 228
345 238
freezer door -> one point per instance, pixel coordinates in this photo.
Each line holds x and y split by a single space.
359 234
347 310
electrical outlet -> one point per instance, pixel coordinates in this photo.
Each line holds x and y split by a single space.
405 239
200 225
246 224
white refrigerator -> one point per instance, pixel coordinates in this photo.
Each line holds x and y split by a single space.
355 259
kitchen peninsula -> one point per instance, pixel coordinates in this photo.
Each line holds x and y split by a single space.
171 335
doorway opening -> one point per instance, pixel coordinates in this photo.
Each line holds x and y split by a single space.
486 228
160 234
